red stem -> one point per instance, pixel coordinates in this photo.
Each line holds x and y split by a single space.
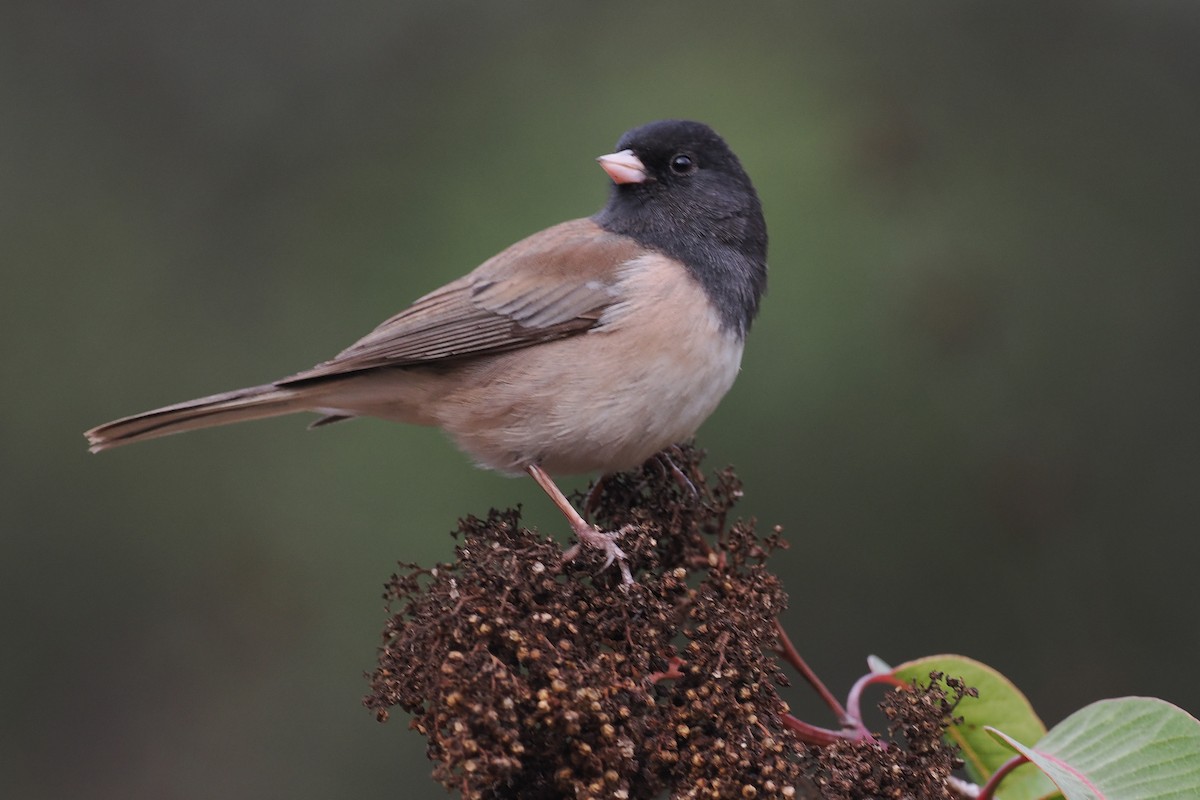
788 651
989 789
815 735
672 672
854 700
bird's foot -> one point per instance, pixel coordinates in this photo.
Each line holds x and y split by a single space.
679 475
591 536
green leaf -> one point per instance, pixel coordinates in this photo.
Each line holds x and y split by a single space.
1000 705
1134 748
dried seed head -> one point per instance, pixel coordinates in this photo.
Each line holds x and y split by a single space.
532 683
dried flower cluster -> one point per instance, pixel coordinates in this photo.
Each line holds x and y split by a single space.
920 715
532 677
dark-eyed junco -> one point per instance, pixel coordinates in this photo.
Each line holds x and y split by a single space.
587 347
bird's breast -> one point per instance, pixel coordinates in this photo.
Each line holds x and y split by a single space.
652 370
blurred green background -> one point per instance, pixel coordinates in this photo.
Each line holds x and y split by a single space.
971 398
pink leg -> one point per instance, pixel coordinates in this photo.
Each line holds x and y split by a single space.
593 497
587 534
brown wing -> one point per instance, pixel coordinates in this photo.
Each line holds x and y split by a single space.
553 284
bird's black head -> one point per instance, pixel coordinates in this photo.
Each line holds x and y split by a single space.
678 188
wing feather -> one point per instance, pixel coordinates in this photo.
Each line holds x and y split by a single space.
555 283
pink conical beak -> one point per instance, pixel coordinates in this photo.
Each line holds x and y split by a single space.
623 167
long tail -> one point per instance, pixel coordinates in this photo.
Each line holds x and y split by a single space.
255 402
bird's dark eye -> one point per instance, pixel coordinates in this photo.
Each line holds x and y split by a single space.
682 164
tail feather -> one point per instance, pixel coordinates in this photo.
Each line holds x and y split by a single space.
255 402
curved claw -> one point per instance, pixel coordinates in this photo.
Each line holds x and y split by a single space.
591 536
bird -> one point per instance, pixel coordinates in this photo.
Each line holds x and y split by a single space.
587 347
